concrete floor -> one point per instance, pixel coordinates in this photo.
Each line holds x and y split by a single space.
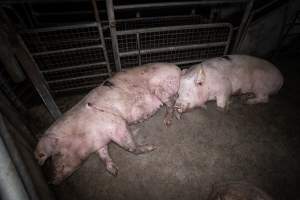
258 144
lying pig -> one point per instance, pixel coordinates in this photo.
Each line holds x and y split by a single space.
219 78
103 116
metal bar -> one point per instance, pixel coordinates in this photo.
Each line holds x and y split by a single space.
169 4
72 67
17 160
32 70
188 61
243 25
157 50
57 28
139 48
14 118
76 88
97 16
11 187
11 95
66 50
112 27
78 78
173 28
228 41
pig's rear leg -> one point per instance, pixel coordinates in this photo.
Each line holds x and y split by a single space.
259 98
109 164
125 141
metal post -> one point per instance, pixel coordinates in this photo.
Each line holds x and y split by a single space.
97 16
112 27
243 25
12 115
11 187
17 160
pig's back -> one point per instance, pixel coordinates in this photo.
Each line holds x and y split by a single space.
249 71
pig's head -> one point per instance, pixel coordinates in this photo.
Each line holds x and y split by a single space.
191 81
45 148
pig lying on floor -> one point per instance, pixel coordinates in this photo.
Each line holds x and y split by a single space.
102 116
219 78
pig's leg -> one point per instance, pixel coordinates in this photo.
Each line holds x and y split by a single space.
170 112
105 157
260 98
222 101
124 140
169 102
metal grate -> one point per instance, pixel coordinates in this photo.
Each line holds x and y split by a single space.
183 56
41 40
69 57
177 44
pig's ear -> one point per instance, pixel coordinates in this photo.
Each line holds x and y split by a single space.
183 71
200 77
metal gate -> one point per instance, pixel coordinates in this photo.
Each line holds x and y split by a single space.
69 57
162 41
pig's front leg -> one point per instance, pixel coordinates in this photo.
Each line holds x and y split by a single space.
109 164
124 139
170 112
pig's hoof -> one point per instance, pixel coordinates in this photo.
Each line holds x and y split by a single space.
178 115
112 169
221 109
167 122
144 149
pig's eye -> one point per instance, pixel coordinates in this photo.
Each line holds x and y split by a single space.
200 83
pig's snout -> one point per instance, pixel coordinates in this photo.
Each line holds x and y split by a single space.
41 157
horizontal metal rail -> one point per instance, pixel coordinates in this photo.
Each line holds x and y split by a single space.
173 28
72 67
169 4
157 50
57 28
78 78
75 88
188 61
66 50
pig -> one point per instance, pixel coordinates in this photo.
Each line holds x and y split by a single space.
219 78
103 116
237 191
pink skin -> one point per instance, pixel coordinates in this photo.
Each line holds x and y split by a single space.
219 78
103 116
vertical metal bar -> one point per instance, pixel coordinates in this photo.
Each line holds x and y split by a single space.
242 25
33 16
14 118
97 16
17 160
228 41
139 48
112 27
11 187
32 70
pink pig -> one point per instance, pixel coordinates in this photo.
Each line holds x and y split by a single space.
103 116
219 78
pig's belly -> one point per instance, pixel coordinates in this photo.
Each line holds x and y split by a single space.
144 109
